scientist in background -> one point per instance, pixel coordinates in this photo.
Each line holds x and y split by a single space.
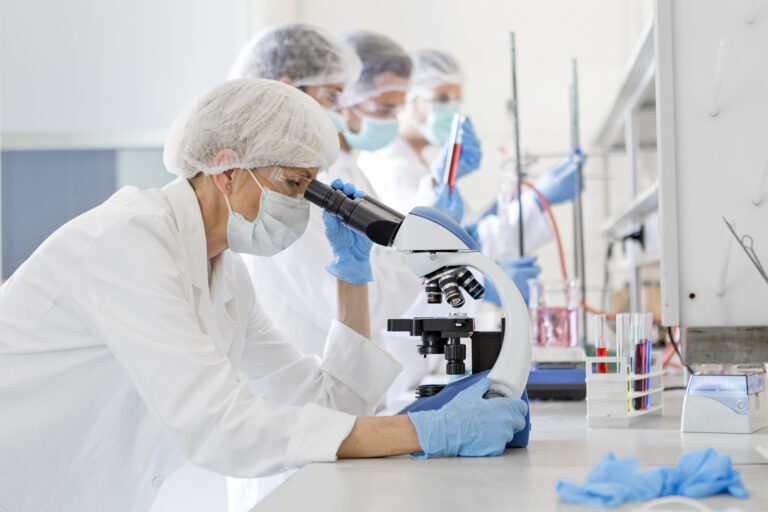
376 71
128 338
404 176
365 75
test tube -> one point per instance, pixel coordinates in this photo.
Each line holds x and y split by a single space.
623 345
648 355
641 341
623 337
453 161
601 348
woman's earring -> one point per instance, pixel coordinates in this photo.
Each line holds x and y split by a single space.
229 187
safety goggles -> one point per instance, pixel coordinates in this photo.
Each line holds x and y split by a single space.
442 97
287 182
329 95
369 103
371 107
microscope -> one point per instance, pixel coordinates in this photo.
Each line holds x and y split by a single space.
440 251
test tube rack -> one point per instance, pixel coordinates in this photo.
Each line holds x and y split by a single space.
610 396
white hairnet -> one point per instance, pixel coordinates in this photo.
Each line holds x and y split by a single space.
265 122
379 55
306 54
433 68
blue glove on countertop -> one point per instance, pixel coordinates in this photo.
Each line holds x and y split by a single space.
520 271
469 157
612 482
558 184
470 425
351 251
450 204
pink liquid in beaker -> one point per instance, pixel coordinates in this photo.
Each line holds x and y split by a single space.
556 327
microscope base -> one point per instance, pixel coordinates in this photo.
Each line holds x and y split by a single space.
557 383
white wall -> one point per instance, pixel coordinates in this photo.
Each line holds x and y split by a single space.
117 69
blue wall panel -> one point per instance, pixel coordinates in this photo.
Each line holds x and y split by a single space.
42 190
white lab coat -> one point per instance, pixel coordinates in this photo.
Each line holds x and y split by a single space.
403 180
119 359
304 294
399 175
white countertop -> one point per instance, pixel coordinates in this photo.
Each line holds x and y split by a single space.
522 479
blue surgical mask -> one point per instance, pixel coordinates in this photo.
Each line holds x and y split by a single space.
437 128
375 133
280 222
338 120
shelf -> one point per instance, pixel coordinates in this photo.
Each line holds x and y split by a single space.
644 259
637 92
644 203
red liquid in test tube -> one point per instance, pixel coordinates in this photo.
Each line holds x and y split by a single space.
602 367
638 367
454 164
449 178
601 347
642 323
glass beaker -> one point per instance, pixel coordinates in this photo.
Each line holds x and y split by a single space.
554 308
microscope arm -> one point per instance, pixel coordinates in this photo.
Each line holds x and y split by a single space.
430 240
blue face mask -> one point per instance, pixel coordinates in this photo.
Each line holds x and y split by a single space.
338 120
375 133
280 222
437 128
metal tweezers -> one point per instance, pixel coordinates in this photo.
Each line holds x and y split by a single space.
747 243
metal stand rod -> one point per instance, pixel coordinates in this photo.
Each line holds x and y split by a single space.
516 127
578 216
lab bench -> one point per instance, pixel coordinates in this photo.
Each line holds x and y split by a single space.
524 478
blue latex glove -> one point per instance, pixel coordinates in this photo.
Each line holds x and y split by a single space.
491 210
449 392
450 204
520 271
470 425
469 157
351 251
559 183
472 228
613 482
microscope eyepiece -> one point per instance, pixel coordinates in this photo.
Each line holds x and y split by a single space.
372 219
